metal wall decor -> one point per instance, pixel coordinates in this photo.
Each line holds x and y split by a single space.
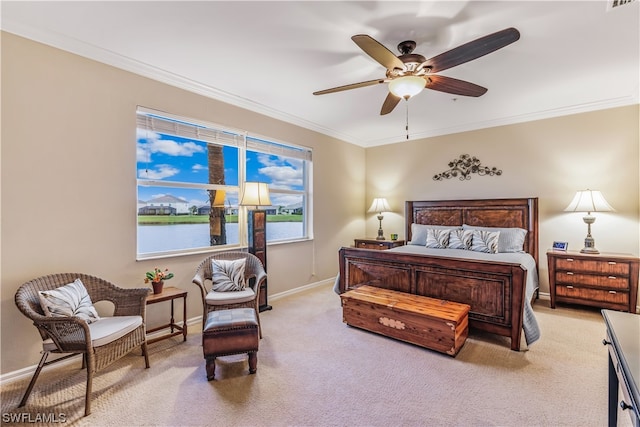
464 166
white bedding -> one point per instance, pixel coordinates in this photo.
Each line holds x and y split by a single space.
529 322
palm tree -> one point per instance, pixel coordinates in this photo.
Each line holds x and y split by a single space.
217 220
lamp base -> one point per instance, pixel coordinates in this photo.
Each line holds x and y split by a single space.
380 232
589 246
589 251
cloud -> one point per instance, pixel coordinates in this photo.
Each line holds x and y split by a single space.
150 143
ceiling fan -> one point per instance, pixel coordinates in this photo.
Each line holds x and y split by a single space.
410 72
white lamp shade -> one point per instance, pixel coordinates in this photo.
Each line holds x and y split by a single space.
407 86
255 194
379 205
589 201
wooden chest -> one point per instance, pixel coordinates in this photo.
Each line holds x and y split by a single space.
428 322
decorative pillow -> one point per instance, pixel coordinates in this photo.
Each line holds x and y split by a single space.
460 239
69 300
419 232
228 275
438 238
485 241
511 239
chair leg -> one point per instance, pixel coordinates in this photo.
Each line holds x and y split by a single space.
145 353
33 379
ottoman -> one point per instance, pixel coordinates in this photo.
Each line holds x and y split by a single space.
228 332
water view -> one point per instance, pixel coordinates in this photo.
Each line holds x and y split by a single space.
161 238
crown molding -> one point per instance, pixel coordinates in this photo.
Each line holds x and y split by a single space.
108 57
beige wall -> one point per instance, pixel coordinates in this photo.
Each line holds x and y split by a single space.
69 183
69 189
549 159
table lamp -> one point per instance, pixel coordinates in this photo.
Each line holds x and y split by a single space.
589 201
380 205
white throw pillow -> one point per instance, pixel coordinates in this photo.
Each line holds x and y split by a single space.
69 300
485 241
228 275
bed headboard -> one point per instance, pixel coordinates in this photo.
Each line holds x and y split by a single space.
522 213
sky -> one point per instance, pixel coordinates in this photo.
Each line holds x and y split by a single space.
170 158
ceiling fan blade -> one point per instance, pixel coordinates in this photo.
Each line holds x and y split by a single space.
351 86
389 104
455 86
471 50
377 51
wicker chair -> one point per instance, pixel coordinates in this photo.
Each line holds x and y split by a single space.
211 300
72 335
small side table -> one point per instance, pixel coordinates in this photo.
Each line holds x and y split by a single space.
170 294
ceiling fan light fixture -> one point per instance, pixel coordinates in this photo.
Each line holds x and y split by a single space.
407 86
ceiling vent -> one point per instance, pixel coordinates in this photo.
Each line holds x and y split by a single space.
614 4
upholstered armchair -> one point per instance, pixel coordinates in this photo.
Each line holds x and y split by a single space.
100 342
254 275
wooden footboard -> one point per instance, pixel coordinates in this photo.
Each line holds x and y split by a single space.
494 290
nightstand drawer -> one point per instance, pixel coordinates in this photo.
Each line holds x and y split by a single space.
596 295
608 282
594 266
368 245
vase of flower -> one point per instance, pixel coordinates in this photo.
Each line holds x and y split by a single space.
157 278
157 287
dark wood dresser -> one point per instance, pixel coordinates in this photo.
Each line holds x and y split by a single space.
604 280
623 339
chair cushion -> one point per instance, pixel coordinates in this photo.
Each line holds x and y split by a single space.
228 275
223 298
69 300
105 330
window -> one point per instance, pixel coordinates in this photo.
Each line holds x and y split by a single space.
189 176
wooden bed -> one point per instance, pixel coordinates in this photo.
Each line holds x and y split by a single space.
494 290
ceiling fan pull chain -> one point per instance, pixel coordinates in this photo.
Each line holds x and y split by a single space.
407 123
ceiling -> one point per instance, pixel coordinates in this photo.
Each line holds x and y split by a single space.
269 57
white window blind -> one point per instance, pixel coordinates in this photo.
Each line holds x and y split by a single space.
175 126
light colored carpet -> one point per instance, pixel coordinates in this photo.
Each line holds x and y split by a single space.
313 370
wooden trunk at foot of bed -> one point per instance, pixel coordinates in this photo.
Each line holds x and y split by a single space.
495 291
435 324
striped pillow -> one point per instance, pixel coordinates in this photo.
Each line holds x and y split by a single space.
437 238
485 241
460 239
228 275
69 300
511 239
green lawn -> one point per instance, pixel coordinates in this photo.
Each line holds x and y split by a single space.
204 219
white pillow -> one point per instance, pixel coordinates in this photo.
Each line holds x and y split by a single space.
438 238
511 239
419 232
228 275
460 239
69 300
485 241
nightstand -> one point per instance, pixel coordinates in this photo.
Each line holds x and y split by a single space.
372 243
604 280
